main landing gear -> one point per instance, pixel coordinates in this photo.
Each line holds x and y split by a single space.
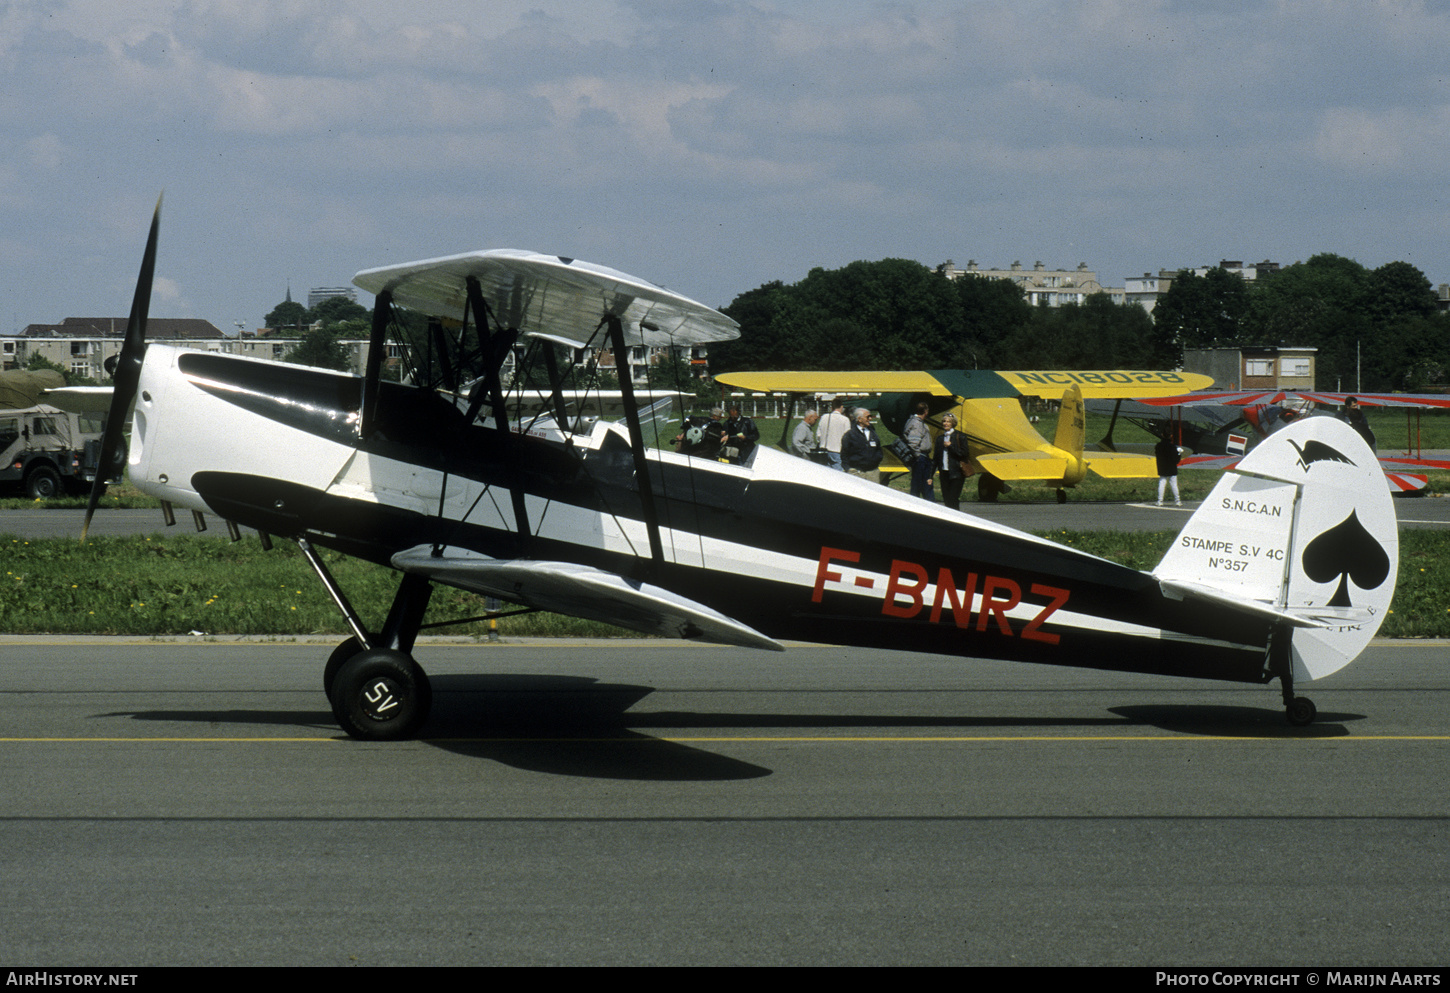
376 689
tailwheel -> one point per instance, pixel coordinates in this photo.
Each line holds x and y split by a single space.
1301 711
1062 496
380 695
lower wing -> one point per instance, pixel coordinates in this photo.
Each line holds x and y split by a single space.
581 591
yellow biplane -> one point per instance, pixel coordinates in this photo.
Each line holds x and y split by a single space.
1004 445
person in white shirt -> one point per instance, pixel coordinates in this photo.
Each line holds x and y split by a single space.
832 429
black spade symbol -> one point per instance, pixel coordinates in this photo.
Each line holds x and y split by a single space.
1348 551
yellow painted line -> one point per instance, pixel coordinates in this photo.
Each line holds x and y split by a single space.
185 741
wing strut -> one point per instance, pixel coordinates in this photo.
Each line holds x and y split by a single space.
636 445
495 348
377 349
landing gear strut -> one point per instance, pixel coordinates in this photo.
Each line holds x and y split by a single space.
376 689
1299 710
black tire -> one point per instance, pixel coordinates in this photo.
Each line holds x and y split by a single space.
1301 711
339 655
381 695
1062 496
43 483
988 488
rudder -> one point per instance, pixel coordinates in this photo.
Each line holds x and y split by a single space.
1303 525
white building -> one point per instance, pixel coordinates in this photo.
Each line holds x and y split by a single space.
1041 285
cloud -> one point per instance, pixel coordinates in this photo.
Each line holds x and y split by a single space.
1397 139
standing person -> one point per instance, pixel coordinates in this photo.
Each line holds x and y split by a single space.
833 428
1354 417
741 434
861 449
951 461
918 438
1166 453
803 438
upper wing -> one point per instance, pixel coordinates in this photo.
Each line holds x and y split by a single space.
581 591
1106 384
1254 398
1400 472
972 383
835 382
552 295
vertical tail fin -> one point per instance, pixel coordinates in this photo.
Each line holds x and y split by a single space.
1071 423
1304 526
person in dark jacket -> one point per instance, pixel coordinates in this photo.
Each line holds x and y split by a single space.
1166 453
952 461
861 449
1354 417
741 434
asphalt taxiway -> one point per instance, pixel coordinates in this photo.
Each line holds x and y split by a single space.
658 803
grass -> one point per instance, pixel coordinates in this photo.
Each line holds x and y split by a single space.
122 496
177 585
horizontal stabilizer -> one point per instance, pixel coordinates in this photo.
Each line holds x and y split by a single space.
581 591
1178 590
1025 465
1121 465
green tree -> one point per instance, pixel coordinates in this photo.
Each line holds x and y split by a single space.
1322 304
319 347
1398 290
993 311
338 310
754 310
1208 311
890 314
1094 334
288 314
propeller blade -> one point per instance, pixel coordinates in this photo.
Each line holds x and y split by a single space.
126 376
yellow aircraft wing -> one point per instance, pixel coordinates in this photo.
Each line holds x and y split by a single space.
976 383
836 382
1105 385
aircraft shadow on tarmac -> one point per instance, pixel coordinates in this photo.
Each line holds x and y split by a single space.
576 725
1233 722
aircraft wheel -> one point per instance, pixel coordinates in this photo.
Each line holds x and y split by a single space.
1301 711
381 695
1062 496
339 655
988 487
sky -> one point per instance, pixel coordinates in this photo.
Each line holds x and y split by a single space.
708 146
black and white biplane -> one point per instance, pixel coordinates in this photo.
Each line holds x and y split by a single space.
1286 572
